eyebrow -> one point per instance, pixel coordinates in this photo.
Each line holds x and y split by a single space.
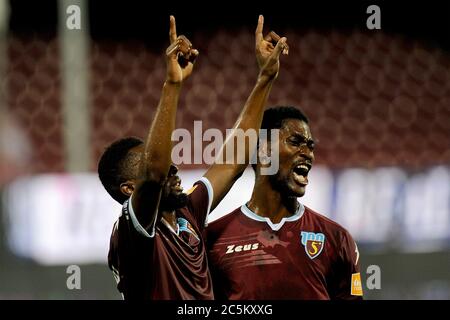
302 138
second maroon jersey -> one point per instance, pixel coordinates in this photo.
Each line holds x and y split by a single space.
163 263
305 256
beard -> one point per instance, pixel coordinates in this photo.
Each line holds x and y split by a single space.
279 183
173 201
282 185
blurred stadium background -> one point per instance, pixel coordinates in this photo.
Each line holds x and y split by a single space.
379 104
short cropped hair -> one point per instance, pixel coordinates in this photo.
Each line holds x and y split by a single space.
115 167
273 117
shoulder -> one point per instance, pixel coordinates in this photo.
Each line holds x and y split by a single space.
329 226
201 192
224 226
202 184
219 224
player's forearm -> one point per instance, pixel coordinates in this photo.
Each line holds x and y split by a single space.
250 118
252 113
158 144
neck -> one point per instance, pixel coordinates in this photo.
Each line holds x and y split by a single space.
270 203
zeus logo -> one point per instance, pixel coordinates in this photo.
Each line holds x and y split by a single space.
246 247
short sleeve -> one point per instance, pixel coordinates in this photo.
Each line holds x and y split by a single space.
128 208
200 200
348 276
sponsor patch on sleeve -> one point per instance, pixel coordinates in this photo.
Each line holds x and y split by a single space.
356 288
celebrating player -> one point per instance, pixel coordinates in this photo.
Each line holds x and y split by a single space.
273 247
157 249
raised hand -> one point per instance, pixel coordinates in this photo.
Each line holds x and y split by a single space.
180 56
267 54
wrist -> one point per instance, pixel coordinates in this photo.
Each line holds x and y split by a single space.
172 83
264 78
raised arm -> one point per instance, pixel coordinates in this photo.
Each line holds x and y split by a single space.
223 175
156 156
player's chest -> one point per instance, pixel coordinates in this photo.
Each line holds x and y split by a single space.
297 251
181 233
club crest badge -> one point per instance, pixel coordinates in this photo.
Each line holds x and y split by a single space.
187 232
313 243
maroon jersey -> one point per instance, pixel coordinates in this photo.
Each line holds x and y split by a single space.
305 256
163 263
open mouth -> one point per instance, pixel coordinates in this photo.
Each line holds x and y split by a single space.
175 185
301 173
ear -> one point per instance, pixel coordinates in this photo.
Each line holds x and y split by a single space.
263 152
127 188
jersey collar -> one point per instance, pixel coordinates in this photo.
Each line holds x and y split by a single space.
274 226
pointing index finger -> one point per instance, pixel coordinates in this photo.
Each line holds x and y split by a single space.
259 29
173 30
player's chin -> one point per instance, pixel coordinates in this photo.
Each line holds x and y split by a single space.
176 193
180 200
174 201
297 190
